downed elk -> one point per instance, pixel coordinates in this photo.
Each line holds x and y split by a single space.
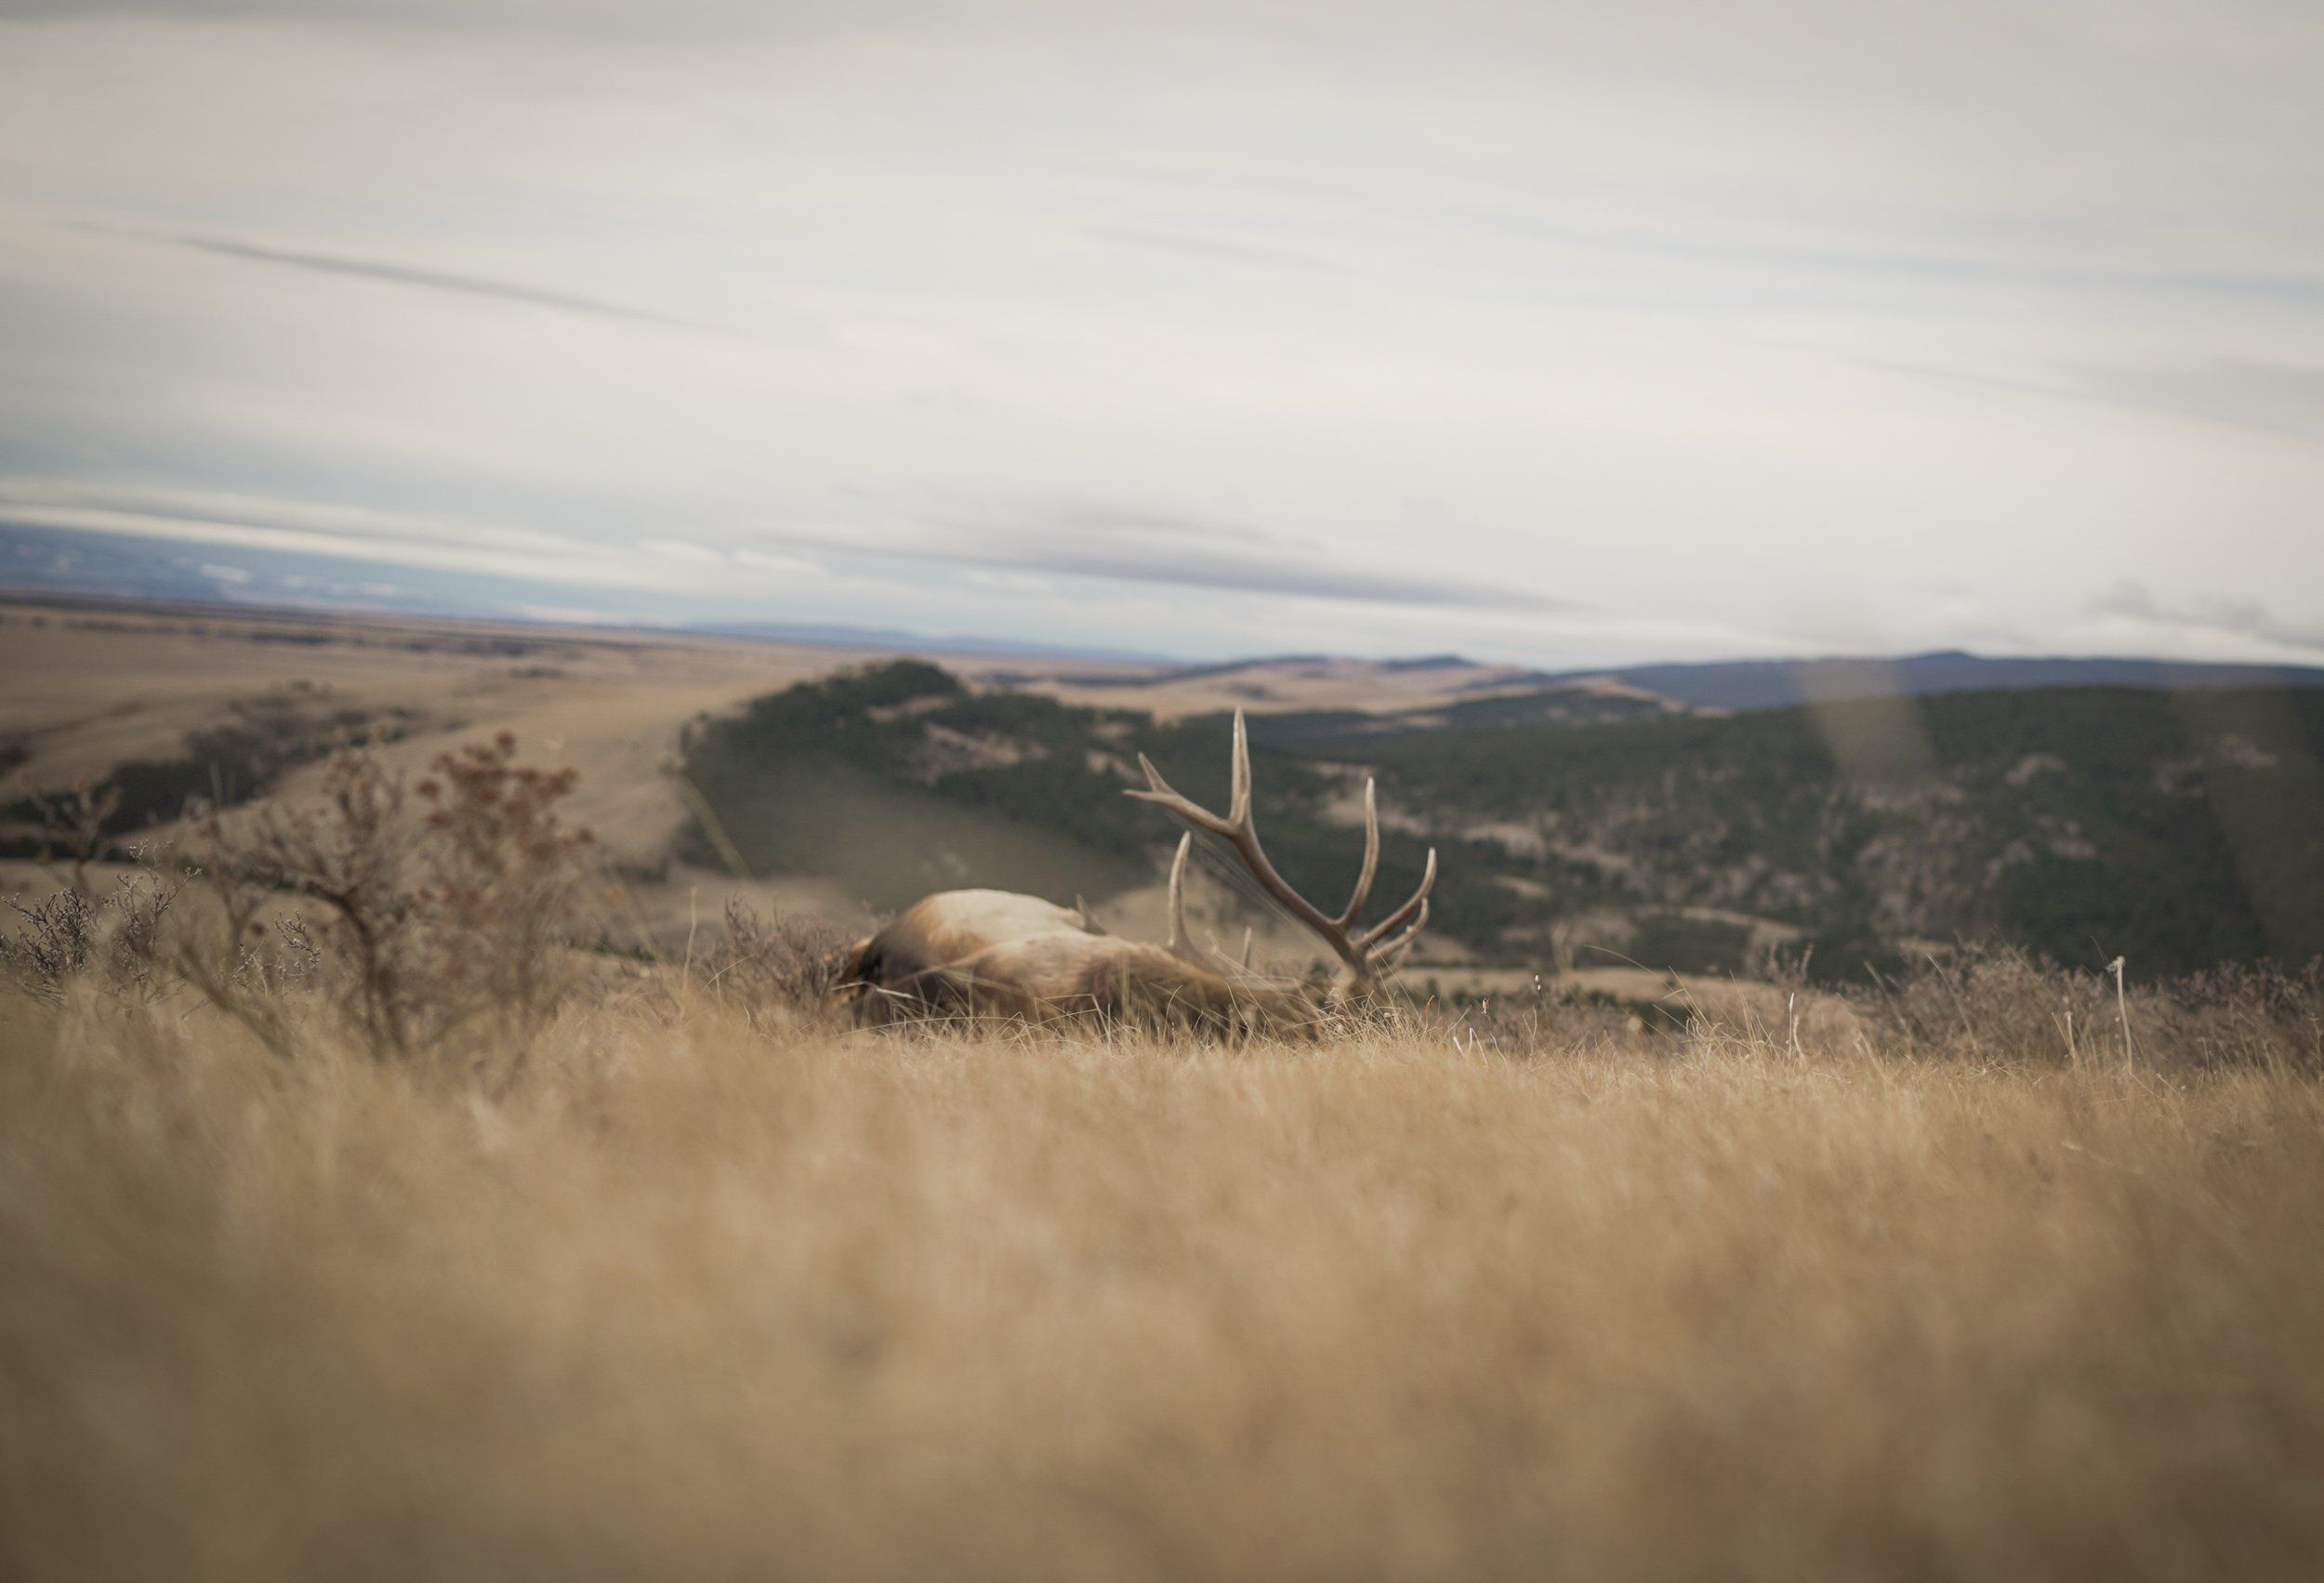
995 952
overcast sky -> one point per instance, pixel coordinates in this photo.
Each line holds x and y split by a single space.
1570 334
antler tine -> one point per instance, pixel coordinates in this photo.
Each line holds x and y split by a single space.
1237 825
1417 902
1238 780
1178 891
1160 791
1391 955
1371 855
1182 942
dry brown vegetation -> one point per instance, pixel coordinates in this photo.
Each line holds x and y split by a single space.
672 1275
688 1299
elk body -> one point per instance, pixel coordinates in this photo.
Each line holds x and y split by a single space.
997 951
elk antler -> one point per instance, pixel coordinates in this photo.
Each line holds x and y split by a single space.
1183 943
1371 953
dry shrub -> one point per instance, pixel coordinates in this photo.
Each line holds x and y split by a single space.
1978 1002
1991 1002
114 937
780 970
504 876
1552 1019
447 913
2246 1015
73 824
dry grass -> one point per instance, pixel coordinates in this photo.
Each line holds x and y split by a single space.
691 1300
672 1278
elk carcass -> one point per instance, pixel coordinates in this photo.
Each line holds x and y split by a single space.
995 952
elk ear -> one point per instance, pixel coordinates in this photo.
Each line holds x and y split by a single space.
846 966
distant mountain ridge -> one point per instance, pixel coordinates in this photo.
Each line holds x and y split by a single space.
51 561
1774 684
1738 686
58 564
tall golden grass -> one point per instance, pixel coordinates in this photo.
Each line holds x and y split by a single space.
690 1298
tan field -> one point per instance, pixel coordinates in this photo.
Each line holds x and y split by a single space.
688 1299
88 688
1266 686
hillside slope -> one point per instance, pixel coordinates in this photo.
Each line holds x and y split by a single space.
1436 690
2082 822
901 781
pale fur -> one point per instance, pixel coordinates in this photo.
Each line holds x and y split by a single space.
994 951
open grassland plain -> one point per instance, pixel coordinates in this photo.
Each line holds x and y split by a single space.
90 689
697 1293
184 702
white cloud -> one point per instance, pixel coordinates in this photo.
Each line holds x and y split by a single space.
1559 332
2246 622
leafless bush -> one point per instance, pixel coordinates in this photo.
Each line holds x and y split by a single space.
504 875
1547 1016
1999 1003
52 944
2247 1016
247 959
786 965
73 824
140 910
447 906
75 934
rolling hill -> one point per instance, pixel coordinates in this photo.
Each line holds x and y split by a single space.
2179 830
1307 695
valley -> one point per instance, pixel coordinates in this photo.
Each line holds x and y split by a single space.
1583 824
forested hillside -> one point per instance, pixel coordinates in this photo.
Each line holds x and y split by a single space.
900 780
2180 831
